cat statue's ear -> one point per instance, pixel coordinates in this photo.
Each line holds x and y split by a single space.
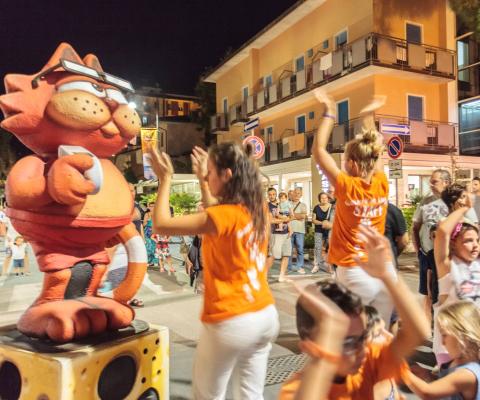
65 51
91 60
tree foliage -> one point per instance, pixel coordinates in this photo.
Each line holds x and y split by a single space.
469 13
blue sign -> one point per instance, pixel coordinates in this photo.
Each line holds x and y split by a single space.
395 147
251 124
395 129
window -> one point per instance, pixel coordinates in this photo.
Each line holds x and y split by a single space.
268 134
245 92
342 112
414 33
267 81
301 124
310 53
470 116
300 64
311 115
341 38
325 44
415 108
225 105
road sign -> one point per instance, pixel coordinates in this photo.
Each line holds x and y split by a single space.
395 174
395 129
394 165
251 124
395 147
257 145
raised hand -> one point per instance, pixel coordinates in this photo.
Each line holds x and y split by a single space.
377 102
379 252
324 98
161 163
199 163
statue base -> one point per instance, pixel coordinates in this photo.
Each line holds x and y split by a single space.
132 363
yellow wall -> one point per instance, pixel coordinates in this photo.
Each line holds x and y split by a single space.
230 84
397 89
310 32
390 17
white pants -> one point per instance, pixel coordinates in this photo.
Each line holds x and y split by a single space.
238 346
372 291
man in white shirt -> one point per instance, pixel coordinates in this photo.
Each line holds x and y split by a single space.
298 229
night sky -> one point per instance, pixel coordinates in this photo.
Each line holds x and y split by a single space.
161 43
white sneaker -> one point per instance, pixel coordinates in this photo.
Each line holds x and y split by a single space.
301 271
282 278
315 270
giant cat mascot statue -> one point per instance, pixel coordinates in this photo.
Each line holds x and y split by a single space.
69 200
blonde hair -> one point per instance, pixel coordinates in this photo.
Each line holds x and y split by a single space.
461 319
364 151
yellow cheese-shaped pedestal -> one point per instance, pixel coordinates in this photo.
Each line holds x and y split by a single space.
129 364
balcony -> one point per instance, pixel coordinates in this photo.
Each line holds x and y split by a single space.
373 49
430 137
219 123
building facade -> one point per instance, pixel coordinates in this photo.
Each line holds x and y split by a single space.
354 49
468 51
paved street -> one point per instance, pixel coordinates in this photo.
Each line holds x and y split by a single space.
170 301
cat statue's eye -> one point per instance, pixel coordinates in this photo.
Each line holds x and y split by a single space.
116 96
84 86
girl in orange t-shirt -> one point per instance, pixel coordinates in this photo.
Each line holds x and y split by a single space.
239 317
362 198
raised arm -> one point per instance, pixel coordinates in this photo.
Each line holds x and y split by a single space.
199 166
461 381
443 235
415 327
163 222
320 141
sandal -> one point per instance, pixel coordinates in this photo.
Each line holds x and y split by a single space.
136 303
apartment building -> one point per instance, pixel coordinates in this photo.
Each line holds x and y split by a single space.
468 51
353 49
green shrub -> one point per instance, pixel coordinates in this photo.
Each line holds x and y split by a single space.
181 202
408 214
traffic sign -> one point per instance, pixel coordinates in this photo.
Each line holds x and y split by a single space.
251 124
257 145
395 129
394 165
395 147
395 174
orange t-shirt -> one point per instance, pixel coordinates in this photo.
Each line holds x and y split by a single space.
234 272
380 364
358 203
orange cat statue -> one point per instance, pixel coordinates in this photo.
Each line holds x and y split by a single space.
68 199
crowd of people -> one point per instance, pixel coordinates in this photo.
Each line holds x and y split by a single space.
347 322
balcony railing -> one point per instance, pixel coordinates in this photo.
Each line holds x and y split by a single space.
373 49
219 122
425 137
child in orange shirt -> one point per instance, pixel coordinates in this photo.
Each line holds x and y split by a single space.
362 199
239 318
332 325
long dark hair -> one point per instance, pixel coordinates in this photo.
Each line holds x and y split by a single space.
245 187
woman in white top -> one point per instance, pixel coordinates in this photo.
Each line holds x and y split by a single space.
456 250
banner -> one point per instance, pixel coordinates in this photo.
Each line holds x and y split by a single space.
149 138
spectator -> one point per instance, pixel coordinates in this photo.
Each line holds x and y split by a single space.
430 210
298 230
322 218
476 193
396 230
280 244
